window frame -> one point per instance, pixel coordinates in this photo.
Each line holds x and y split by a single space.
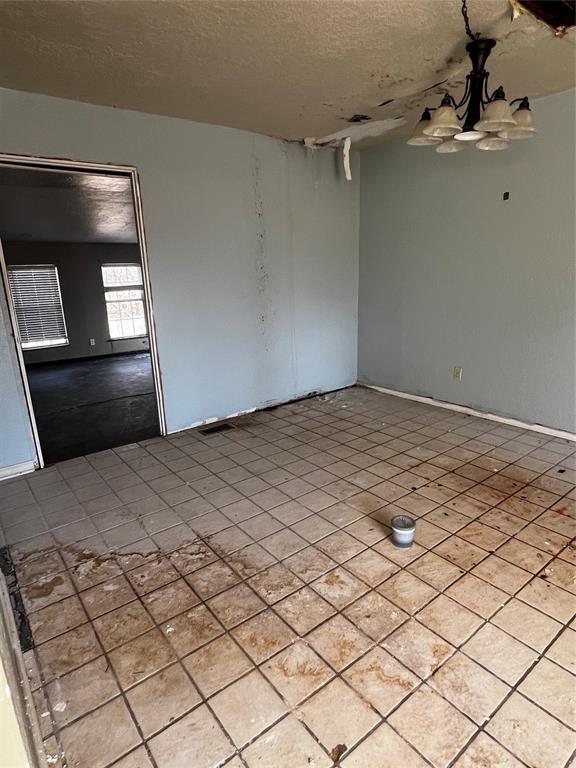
128 287
38 345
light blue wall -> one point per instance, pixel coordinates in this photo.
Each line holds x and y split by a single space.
253 248
453 275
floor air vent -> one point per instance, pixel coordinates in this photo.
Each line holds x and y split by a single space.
216 428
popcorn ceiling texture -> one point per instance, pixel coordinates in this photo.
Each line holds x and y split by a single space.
289 69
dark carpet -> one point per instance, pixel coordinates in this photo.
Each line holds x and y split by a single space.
90 405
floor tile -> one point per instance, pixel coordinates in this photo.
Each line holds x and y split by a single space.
136 759
467 686
548 598
337 716
435 570
82 690
107 596
449 619
562 650
45 590
502 574
526 624
286 745
371 567
484 751
55 619
247 707
274 583
528 732
553 689
188 631
263 636
166 602
296 672
195 740
66 652
418 719
162 698
340 546
407 592
304 610
284 543
309 564
501 654
381 680
460 552
83 742
419 649
561 573
339 587
212 579
375 616
385 749
524 556
123 624
141 657
477 595
235 605
217 664
339 642
153 575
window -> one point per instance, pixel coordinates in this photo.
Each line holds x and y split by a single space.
124 294
36 294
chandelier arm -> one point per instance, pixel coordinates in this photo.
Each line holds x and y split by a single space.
466 96
494 92
485 95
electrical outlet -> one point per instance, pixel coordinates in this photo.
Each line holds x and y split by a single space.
457 373
92 342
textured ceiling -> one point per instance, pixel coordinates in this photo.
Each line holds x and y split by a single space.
65 206
286 68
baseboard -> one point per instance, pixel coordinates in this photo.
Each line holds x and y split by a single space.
473 412
17 469
267 405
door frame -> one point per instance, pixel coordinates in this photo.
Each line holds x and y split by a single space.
77 166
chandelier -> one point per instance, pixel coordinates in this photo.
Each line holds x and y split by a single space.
487 119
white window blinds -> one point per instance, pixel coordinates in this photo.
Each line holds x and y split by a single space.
36 295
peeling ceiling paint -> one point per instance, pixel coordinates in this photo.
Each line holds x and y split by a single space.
285 68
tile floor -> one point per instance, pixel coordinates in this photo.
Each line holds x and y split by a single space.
234 599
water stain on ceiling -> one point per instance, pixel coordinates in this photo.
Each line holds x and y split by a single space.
284 68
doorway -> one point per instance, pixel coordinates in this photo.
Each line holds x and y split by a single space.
75 273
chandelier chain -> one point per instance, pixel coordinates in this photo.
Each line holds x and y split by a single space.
469 32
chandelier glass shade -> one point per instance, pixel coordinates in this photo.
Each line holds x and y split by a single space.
481 118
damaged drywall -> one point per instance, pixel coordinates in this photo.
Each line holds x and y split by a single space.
310 69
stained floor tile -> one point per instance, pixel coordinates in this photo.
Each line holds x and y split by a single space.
286 745
421 650
381 680
162 698
241 570
97 739
247 707
337 716
528 732
418 719
196 740
296 672
467 686
385 749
